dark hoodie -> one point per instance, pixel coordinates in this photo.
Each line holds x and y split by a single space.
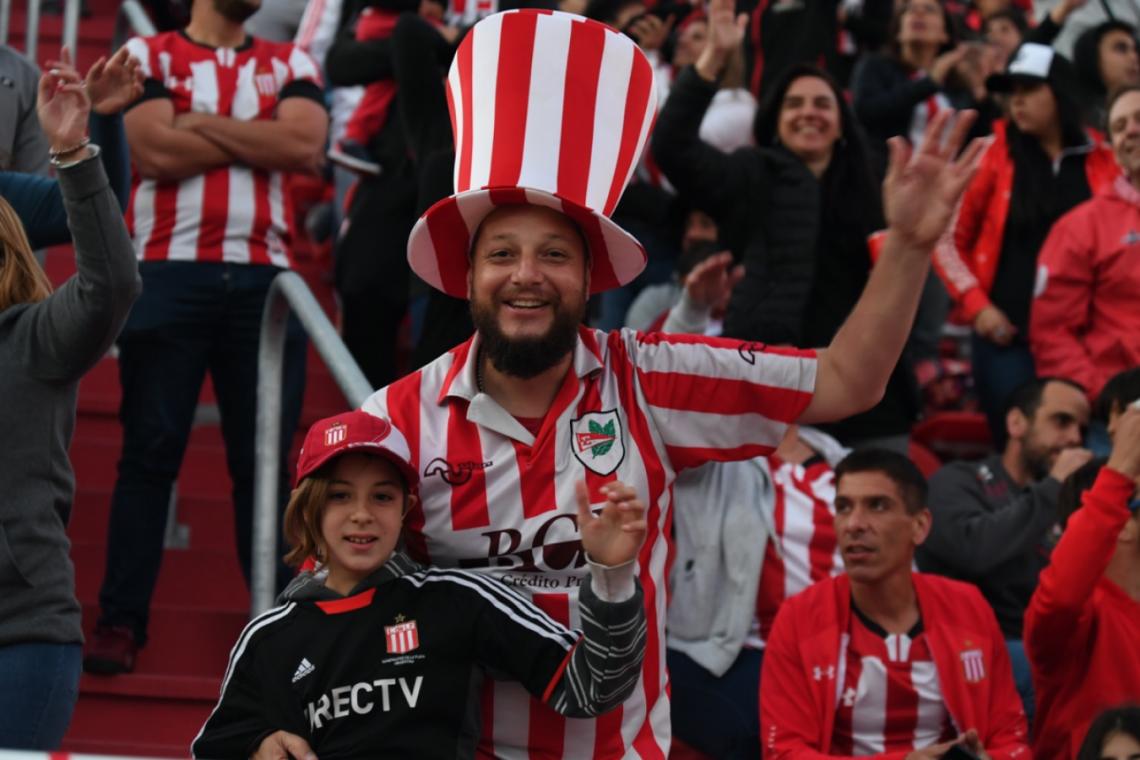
395 669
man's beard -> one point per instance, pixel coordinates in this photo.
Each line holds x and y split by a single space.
1037 461
530 356
236 11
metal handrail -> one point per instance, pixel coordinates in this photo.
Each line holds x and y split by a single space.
5 18
71 9
288 292
132 20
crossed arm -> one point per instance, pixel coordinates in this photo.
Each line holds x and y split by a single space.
169 147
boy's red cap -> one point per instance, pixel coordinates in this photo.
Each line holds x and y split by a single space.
355 431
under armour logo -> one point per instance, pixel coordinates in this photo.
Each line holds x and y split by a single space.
817 672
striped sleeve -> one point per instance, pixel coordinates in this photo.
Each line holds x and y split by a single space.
716 399
578 675
603 669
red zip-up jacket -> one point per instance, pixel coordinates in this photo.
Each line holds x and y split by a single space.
968 267
1082 632
803 669
1084 323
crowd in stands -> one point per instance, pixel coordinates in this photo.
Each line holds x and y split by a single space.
822 224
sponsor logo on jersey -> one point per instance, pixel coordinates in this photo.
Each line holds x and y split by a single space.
402 637
266 83
557 545
749 350
453 473
304 669
362 698
973 665
597 442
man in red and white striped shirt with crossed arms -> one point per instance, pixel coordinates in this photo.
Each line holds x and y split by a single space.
223 116
550 112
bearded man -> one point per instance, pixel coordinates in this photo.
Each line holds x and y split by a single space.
223 115
993 520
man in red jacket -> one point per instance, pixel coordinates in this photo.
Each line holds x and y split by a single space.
1084 323
1082 628
882 660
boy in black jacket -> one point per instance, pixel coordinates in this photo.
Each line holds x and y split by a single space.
375 656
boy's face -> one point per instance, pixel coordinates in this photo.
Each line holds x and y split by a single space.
362 518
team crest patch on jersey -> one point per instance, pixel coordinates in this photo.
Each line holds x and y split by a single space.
973 665
597 441
402 637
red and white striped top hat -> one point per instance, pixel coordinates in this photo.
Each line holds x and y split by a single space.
548 109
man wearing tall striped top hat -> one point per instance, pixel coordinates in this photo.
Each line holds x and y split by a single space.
550 113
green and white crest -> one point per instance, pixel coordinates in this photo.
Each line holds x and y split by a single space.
597 441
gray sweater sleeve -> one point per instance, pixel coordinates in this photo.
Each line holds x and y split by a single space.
605 665
973 537
63 336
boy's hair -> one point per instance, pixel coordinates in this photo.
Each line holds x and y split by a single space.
1121 390
302 524
895 466
1074 487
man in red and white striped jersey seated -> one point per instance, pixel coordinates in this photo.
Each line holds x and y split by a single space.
550 112
222 117
883 660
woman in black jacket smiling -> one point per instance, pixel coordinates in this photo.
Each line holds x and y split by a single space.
797 210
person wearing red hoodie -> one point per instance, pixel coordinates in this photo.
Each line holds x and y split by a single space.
883 661
1082 627
1085 322
1040 164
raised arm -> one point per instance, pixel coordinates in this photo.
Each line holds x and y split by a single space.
580 676
1059 620
711 178
73 328
920 194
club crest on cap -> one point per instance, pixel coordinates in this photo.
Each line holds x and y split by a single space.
336 433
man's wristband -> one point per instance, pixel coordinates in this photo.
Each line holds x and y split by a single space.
67 160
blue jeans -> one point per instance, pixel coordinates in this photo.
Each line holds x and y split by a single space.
39 683
998 372
192 318
1022 677
717 716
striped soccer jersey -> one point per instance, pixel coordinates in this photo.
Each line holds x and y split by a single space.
230 213
891 699
803 548
636 408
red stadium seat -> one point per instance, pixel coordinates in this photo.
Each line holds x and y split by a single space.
925 459
954 435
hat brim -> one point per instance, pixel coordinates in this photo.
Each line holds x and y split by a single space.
411 477
1003 84
440 244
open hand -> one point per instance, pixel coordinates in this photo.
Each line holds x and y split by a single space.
62 104
114 84
650 31
615 536
923 184
710 283
725 36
